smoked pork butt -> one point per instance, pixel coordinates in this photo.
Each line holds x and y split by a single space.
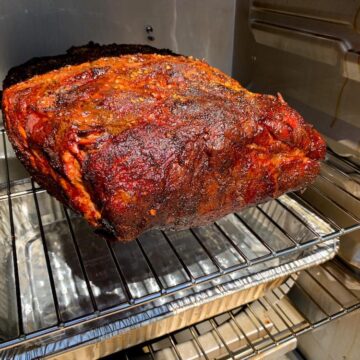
135 138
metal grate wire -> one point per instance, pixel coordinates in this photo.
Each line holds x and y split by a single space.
110 277
274 319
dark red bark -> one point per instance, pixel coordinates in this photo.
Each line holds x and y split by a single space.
157 141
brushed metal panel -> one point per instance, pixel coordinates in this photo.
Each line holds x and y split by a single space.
329 10
316 48
351 66
349 105
202 28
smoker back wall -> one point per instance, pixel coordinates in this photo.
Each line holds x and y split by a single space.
202 28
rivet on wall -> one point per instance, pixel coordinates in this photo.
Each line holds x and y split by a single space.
149 30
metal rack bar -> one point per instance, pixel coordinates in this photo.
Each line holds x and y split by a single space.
326 219
124 284
13 238
328 179
236 247
283 231
347 212
312 299
307 320
152 355
214 260
344 160
272 251
325 289
22 192
263 326
293 213
341 172
335 264
258 341
289 328
174 348
243 333
347 178
282 314
218 334
195 337
297 217
77 250
351 197
264 308
151 267
188 272
47 259
290 331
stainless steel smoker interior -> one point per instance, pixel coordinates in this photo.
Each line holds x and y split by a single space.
317 296
62 288
66 282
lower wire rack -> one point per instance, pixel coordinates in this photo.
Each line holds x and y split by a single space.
317 296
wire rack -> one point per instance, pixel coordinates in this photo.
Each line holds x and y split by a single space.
319 295
64 276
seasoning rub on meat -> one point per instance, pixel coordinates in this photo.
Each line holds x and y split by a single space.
146 140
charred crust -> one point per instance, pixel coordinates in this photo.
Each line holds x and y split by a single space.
74 56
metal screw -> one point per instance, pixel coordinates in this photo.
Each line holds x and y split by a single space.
149 30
